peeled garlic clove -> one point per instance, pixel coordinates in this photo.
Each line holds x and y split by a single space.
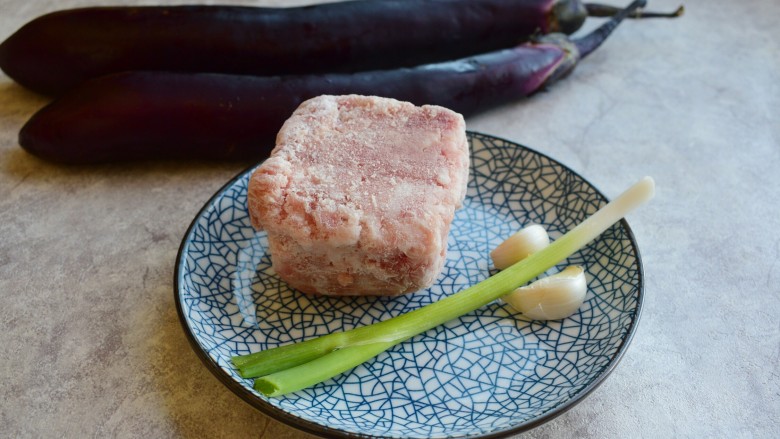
551 298
519 246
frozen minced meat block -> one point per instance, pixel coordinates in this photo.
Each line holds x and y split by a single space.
358 195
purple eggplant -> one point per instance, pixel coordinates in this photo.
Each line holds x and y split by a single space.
158 115
601 10
57 51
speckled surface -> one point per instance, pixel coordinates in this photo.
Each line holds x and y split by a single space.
92 346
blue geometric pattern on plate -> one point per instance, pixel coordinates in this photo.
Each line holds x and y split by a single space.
488 372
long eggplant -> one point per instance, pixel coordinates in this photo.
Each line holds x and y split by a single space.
158 115
57 51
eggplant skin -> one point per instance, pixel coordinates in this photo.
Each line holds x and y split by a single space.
57 51
159 115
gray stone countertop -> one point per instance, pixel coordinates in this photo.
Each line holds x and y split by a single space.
92 345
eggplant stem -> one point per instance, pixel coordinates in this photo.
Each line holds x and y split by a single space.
602 10
593 40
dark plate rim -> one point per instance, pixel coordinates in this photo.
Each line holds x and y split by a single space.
324 431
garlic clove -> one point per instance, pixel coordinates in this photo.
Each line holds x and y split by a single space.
519 246
551 298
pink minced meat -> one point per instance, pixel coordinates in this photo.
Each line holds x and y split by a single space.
358 195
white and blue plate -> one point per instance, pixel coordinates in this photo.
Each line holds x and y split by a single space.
490 373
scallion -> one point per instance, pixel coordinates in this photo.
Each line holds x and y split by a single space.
293 367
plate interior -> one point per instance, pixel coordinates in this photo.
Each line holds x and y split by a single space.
489 371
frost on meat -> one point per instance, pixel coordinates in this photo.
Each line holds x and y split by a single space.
358 195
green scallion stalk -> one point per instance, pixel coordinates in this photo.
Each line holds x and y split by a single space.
320 369
293 367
